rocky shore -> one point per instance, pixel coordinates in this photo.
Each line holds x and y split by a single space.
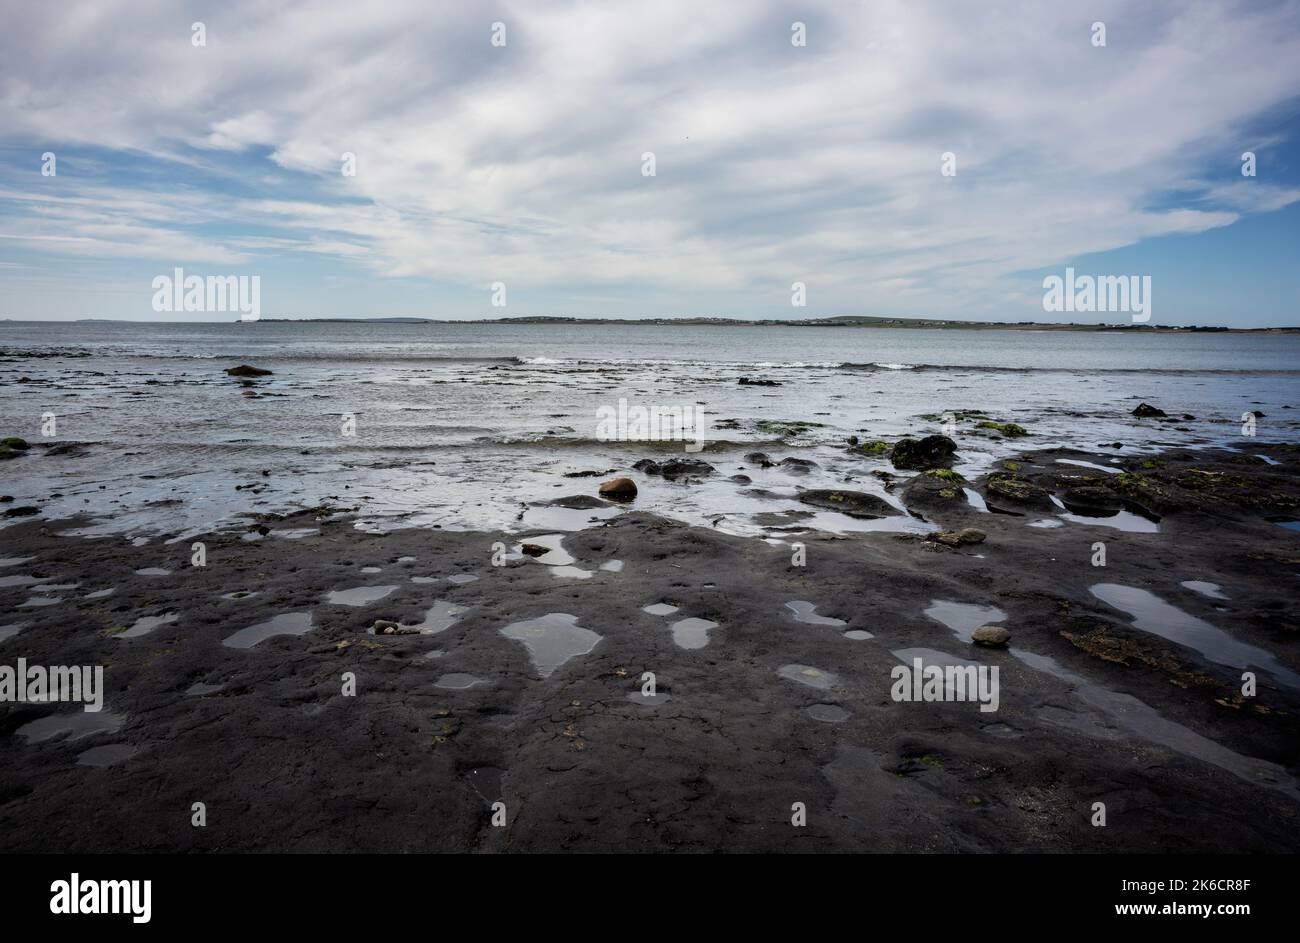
319 688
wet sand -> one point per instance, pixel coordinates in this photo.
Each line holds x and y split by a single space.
521 682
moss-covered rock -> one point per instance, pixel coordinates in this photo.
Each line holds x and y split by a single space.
1009 429
931 452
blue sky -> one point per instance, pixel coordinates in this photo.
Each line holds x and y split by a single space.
775 163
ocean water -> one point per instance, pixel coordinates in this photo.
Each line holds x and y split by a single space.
474 426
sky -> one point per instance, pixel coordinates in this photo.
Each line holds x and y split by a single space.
522 162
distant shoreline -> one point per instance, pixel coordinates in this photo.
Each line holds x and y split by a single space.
856 322
852 322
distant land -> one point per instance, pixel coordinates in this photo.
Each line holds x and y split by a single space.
846 321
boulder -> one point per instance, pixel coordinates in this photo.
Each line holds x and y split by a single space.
746 381
991 636
620 489
931 452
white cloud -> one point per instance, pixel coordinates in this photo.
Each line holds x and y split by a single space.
775 163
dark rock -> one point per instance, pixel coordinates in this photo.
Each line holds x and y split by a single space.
797 466
244 370
852 503
582 502
931 452
746 381
25 511
17 443
759 458
741 479
534 550
958 538
1018 490
680 467
1091 501
648 466
1147 411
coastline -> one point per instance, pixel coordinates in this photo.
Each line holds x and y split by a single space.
1092 709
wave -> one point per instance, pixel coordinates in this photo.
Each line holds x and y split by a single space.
406 355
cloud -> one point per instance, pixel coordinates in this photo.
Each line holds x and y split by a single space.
774 163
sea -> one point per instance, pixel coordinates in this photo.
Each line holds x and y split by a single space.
138 431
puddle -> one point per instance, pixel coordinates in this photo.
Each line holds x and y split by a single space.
1269 461
931 656
240 594
1001 731
1046 523
100 593
457 681
1126 521
20 580
36 602
358 595
806 612
436 653
1082 464
1208 590
153 571
572 573
440 617
106 755
288 623
75 724
858 635
1152 614
295 533
612 566
146 624
406 559
1126 712
372 569
1289 525
459 578
552 640
562 518
9 631
976 500
555 554
827 713
692 633
424 579
806 674
14 561
636 697
963 618
659 609
203 690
